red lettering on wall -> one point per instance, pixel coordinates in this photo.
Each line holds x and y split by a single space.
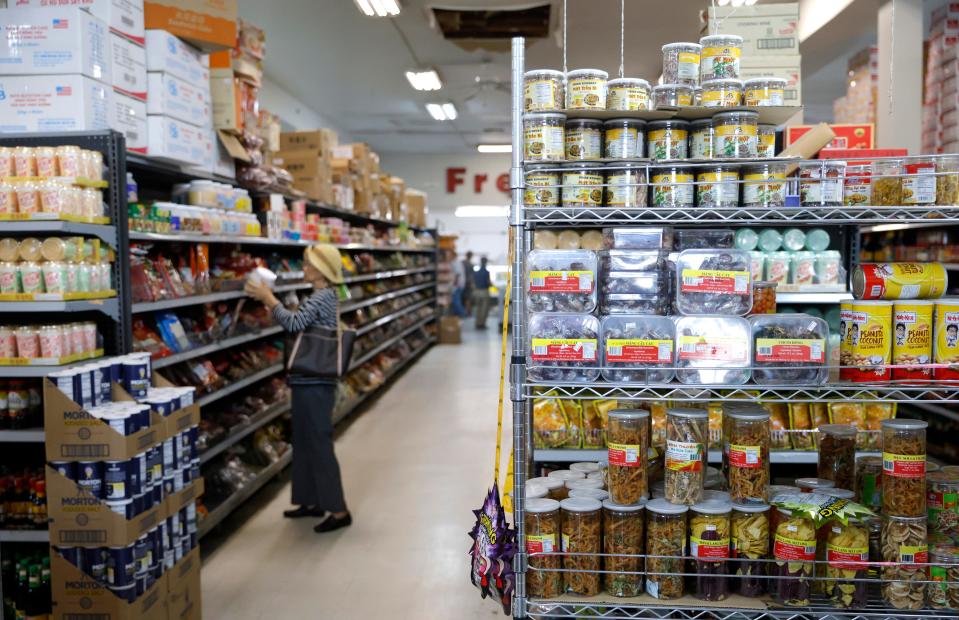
502 183
478 180
454 177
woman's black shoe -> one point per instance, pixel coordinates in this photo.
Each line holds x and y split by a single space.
332 523
303 511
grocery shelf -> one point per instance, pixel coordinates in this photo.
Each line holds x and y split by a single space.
239 432
239 385
383 320
26 435
104 232
912 225
109 306
382 275
768 115
217 346
390 342
38 371
136 162
25 536
328 209
380 248
244 493
573 455
195 300
812 298
385 297
238 239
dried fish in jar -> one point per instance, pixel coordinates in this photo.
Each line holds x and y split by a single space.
582 534
627 437
623 535
665 536
686 445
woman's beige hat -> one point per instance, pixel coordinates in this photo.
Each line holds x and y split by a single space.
326 259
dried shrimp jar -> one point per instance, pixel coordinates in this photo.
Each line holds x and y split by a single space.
542 186
624 534
709 536
847 563
748 455
665 536
582 185
944 571
869 482
904 545
717 187
722 93
586 89
904 467
720 56
672 187
736 135
947 181
701 139
584 139
681 63
581 534
764 297
672 96
544 136
821 183
886 186
837 454
626 186
627 94
543 90
627 438
668 139
768 91
624 138
794 551
764 185
686 445
749 545
942 491
543 579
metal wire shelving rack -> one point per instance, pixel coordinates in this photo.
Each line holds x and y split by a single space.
848 223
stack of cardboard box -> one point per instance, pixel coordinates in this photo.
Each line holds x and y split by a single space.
308 156
940 118
858 105
356 166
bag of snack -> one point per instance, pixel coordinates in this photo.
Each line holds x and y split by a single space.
778 423
595 414
876 412
850 413
800 419
550 426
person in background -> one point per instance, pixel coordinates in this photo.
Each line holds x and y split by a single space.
459 281
317 488
468 283
481 284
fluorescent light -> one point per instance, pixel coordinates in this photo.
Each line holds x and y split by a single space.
450 110
364 6
424 80
494 148
441 111
378 8
738 2
750 2
481 211
722 2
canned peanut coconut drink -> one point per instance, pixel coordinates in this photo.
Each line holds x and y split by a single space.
866 347
899 281
912 339
946 345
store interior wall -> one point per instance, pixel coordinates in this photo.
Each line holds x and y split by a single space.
295 114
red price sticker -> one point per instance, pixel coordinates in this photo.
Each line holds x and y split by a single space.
624 455
640 351
794 549
749 457
790 350
904 465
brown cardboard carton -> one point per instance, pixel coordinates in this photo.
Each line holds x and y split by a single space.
416 208
77 595
304 164
181 419
450 330
183 587
179 500
808 144
227 105
208 24
322 141
316 188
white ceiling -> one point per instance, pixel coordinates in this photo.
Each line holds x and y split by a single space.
350 68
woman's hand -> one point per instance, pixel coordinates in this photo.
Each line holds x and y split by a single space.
261 292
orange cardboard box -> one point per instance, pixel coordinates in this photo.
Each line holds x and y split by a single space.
208 24
847 136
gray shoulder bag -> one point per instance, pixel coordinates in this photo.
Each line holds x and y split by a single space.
322 352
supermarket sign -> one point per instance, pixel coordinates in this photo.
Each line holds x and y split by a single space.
477 182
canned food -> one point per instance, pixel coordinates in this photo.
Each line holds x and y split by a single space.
720 56
121 566
865 330
95 562
899 281
136 378
543 90
544 136
582 186
912 342
586 89
946 344
117 479
722 93
627 94
667 139
542 187
768 91
584 139
90 477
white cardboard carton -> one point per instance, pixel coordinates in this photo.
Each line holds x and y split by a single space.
129 68
169 54
789 67
53 103
174 140
765 28
129 117
124 17
185 101
54 40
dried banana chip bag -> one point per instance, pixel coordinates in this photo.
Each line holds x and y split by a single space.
821 508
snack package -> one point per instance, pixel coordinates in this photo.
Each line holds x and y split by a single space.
778 423
550 426
595 414
715 426
657 410
820 414
876 412
574 420
851 413
800 419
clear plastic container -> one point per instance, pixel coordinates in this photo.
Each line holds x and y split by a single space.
717 187
764 185
632 282
722 93
777 267
757 262
919 182
672 96
544 136
632 260
624 138
764 297
543 90
586 89
766 91
802 268
624 534
713 282
582 186
668 139
813 485
638 238
750 541
584 139
746 239
709 538
941 490
638 349
627 439
821 183
712 350
904 544
858 185
837 454
720 57
582 533
563 347
794 550
543 577
736 135
561 280
904 467
697 96
672 187
627 94
719 238
687 440
665 536
542 186
766 141
701 139
746 440
626 186
944 570
555 488
789 349
869 482
681 63
634 303
947 183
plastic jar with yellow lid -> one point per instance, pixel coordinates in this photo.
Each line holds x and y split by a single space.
768 91
736 135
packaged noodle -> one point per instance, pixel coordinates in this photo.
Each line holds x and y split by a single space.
876 412
550 425
715 426
820 414
794 550
543 579
582 534
778 423
657 437
623 534
574 421
801 420
686 447
595 414
750 541
665 536
847 557
709 535
628 441
748 454
904 545
904 467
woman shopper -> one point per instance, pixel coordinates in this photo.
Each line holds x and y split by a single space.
317 488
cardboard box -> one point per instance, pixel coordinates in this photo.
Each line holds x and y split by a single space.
773 65
179 500
128 68
169 54
179 99
124 17
303 164
225 94
53 103
77 595
859 156
765 28
174 140
183 587
54 40
208 24
450 330
808 144
416 208
129 117
858 136
321 141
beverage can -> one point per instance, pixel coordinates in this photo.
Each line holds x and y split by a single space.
899 281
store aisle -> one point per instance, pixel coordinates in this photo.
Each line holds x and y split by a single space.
411 465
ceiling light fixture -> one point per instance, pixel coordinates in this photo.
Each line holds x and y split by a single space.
722 2
441 111
450 110
428 79
481 211
738 3
378 8
750 2
494 148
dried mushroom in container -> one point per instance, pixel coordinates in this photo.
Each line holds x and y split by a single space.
747 445
717 187
665 536
794 552
837 454
686 445
582 534
847 557
633 303
944 571
650 283
627 438
624 534
720 56
764 185
714 282
632 260
563 347
561 280
709 537
638 348
905 546
736 135
681 63
722 93
705 239
904 467
821 183
672 96
789 349
672 187
638 238
749 546
543 577
712 350
668 139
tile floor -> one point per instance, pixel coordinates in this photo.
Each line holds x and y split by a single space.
415 463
